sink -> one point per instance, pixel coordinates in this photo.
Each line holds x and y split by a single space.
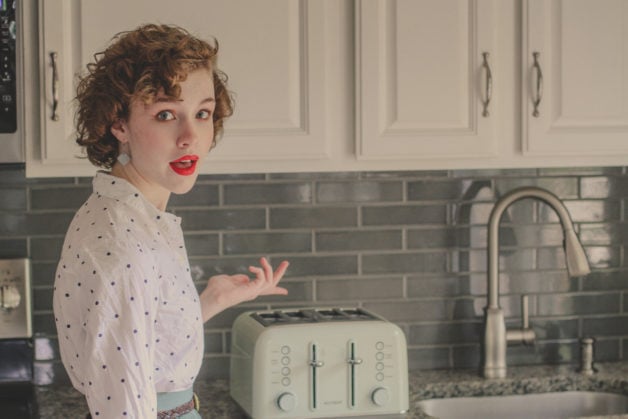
567 404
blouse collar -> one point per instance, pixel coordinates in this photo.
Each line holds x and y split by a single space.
121 190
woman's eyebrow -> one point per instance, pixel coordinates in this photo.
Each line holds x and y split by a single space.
163 99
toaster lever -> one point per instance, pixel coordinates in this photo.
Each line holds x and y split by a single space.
356 361
316 364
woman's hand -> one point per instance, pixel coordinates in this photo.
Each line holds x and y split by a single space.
224 291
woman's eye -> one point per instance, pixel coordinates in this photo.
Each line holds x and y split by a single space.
203 114
165 116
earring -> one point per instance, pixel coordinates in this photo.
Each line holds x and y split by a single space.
124 159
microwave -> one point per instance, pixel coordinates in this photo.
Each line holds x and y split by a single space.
11 97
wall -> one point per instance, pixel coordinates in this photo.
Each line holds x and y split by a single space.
410 246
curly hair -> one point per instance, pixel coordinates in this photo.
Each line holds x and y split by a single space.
139 65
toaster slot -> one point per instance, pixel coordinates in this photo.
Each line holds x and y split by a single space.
315 364
353 362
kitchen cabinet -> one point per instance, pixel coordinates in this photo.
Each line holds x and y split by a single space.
427 69
346 85
277 56
581 69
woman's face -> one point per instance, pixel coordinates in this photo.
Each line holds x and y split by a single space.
167 139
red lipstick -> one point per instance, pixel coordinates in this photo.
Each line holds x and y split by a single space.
185 166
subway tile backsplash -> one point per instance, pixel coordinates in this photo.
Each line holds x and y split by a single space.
410 246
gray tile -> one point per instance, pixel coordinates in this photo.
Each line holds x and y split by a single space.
607 350
214 367
401 174
428 358
593 211
42 299
563 187
605 326
445 333
404 263
602 234
413 311
438 286
527 282
317 266
361 191
448 189
264 243
552 305
466 356
316 176
532 235
199 196
471 213
603 256
318 217
13 248
404 215
202 244
43 273
603 281
230 177
358 240
214 343
555 329
544 353
484 173
443 237
12 199
44 323
36 224
596 187
580 171
59 198
274 193
46 248
222 219
359 289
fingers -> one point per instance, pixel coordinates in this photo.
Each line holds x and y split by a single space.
265 274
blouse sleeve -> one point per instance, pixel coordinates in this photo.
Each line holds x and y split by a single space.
119 333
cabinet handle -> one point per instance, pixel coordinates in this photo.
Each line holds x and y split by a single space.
55 86
536 101
488 93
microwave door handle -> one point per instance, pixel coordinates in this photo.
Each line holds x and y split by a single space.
55 86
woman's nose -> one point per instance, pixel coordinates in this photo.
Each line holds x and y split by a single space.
187 134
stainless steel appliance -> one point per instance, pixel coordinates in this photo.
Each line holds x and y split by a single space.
318 363
17 395
11 141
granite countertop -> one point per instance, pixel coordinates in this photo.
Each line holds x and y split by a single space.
57 402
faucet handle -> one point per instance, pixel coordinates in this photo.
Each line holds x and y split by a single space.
524 335
525 312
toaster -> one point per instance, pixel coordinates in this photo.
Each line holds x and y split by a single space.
318 363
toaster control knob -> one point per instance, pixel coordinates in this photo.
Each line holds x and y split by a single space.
287 401
380 396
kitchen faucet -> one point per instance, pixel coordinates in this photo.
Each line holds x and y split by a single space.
496 337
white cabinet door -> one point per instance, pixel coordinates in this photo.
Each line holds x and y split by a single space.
582 54
422 79
276 54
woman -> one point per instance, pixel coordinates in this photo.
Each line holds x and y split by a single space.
129 319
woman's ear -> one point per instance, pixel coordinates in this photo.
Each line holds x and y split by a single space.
120 131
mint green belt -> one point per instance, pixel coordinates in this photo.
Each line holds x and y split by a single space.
172 400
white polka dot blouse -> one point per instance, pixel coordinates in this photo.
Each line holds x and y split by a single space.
127 313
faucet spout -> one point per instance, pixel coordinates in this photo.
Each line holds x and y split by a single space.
495 334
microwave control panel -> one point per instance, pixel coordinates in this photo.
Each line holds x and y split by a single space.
8 105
